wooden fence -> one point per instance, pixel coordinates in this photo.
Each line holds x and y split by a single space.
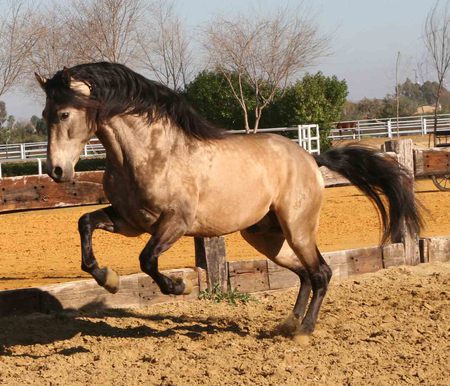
32 192
139 290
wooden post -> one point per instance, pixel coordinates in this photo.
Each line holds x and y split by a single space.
404 149
210 254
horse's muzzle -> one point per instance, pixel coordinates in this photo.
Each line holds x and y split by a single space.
59 174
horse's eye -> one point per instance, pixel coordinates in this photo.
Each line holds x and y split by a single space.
64 116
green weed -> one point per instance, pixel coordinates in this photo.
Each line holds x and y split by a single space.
231 296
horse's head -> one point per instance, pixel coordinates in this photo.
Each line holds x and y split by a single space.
69 122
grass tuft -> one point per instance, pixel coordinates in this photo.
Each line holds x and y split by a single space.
231 296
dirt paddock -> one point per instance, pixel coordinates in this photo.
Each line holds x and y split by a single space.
391 327
43 247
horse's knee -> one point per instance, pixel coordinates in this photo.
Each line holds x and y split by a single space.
320 279
145 263
304 276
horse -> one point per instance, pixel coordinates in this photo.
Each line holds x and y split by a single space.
171 173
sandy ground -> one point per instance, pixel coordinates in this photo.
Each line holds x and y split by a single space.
387 328
42 247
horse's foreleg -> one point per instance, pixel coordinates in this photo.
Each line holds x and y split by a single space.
169 230
108 220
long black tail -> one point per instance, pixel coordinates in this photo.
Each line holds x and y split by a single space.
376 174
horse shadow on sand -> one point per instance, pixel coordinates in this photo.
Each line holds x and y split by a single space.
20 327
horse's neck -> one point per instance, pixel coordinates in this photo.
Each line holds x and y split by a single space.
131 141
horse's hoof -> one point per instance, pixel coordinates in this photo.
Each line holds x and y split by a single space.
181 286
112 280
288 327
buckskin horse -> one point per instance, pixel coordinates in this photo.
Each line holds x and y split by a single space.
171 173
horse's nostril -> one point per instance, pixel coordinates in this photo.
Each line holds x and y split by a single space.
57 172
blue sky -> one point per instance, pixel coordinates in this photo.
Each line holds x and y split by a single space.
366 36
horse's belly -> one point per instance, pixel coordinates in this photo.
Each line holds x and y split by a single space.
217 216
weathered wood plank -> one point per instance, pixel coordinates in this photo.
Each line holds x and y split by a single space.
210 254
393 255
354 261
202 279
135 291
87 294
423 250
431 162
280 277
149 292
249 276
332 178
437 248
38 192
404 150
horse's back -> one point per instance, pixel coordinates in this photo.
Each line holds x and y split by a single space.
243 177
281 159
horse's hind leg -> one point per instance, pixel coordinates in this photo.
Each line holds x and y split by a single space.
273 245
108 220
304 246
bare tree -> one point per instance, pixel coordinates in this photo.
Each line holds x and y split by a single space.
265 52
103 29
437 42
165 46
52 50
139 33
18 35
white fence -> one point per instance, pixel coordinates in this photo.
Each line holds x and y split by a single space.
34 150
37 152
307 136
389 127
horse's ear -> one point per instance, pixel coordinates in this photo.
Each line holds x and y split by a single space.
78 86
81 87
65 76
41 80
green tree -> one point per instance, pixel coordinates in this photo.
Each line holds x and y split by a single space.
39 125
429 92
314 99
407 106
210 94
412 91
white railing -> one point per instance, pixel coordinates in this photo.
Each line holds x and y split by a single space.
34 150
389 127
307 136
37 152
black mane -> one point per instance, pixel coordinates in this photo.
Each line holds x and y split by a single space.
115 90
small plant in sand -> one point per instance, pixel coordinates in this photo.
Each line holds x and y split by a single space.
231 296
